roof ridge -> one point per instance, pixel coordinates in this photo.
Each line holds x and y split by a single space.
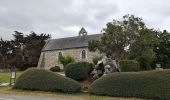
75 36
70 42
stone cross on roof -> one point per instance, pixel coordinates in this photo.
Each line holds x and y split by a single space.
82 32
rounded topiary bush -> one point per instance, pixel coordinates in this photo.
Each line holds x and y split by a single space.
40 79
89 66
129 66
79 70
55 69
151 85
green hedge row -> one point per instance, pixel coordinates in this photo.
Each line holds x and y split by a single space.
43 80
129 66
150 85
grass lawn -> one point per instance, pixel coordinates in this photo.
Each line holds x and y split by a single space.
5 76
79 96
61 73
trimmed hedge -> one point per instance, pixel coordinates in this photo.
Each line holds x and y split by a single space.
76 71
129 66
79 70
43 80
55 69
150 85
89 66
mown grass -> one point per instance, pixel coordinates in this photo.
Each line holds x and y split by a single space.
76 96
5 76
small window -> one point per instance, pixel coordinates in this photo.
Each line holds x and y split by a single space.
60 54
83 54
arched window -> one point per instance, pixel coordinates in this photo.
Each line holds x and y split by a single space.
60 54
83 54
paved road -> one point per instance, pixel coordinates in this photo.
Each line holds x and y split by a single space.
28 97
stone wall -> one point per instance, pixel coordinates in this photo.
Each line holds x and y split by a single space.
49 59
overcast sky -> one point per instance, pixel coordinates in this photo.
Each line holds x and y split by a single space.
64 18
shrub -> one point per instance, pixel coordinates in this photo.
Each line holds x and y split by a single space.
65 60
150 85
76 71
55 69
96 59
144 63
129 66
79 70
89 66
43 80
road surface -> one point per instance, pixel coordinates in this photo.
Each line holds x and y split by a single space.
29 97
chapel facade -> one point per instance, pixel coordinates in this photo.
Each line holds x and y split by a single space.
76 47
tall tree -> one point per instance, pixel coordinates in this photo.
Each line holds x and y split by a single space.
6 49
27 49
118 36
163 49
143 49
33 46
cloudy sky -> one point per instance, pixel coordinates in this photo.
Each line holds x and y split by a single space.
63 18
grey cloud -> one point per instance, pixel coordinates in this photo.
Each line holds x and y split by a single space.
63 18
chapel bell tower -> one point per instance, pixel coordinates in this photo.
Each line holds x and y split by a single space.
82 32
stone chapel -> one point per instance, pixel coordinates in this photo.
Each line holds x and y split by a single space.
76 47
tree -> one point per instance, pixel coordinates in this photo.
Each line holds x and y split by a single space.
33 46
143 49
162 50
27 49
118 36
6 49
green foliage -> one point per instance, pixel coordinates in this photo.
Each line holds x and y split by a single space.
65 60
144 63
96 59
55 69
162 50
23 51
150 85
89 66
117 36
129 66
5 48
78 70
143 49
43 80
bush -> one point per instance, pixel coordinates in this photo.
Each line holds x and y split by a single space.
55 69
79 70
65 60
129 66
76 71
150 85
89 66
144 63
96 59
43 80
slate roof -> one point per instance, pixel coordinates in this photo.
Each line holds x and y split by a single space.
70 42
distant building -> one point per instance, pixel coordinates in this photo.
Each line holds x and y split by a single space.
76 47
